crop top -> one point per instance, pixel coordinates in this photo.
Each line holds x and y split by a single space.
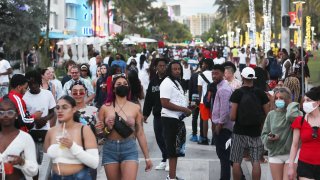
22 144
309 146
75 155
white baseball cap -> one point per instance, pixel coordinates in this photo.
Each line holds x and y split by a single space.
248 73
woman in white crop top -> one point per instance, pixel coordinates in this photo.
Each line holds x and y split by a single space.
71 146
17 149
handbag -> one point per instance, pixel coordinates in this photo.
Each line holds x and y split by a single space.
121 126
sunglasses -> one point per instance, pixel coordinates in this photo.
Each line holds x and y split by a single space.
123 75
9 113
78 93
315 132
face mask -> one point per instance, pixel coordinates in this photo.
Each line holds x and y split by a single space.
122 90
280 103
308 107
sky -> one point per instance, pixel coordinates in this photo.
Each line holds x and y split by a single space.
191 7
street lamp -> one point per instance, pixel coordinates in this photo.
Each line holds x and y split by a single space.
301 53
312 31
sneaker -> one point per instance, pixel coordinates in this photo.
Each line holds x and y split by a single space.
167 166
177 178
161 166
204 141
194 138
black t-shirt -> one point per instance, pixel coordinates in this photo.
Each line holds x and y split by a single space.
253 131
262 77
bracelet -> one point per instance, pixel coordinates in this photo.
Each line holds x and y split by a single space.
107 131
148 159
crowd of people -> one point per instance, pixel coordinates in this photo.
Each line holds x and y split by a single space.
52 129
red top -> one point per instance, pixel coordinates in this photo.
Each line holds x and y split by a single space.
214 54
309 152
206 53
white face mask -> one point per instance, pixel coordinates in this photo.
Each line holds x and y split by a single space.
308 107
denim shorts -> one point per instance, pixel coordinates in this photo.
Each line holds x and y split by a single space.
84 174
118 151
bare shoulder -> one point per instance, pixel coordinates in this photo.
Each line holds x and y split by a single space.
134 106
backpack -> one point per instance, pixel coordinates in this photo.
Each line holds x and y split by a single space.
250 111
275 68
207 95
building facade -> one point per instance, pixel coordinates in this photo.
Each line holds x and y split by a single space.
200 23
76 18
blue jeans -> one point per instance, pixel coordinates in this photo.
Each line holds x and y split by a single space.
118 151
84 174
223 153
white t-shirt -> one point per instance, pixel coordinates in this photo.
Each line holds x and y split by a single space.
40 102
220 60
176 95
4 66
242 58
253 59
186 72
106 60
203 83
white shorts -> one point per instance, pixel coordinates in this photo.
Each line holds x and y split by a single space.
280 159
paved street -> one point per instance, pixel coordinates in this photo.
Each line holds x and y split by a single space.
200 163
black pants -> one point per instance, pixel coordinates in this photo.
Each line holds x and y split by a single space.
223 153
158 131
195 116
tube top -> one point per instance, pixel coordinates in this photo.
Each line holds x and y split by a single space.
62 155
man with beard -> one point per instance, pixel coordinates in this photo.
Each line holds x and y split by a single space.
221 119
174 109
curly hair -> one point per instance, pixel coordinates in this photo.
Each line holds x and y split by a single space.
294 85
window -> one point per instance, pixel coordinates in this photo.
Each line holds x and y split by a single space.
71 11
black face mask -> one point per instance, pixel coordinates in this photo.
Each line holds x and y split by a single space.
122 91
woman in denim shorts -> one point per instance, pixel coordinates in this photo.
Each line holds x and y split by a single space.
120 155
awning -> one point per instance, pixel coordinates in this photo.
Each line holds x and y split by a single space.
56 35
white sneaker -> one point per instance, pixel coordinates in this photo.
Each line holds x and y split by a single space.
167 166
168 178
161 166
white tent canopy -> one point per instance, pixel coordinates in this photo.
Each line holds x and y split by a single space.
135 40
89 40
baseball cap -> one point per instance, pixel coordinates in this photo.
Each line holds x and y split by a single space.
84 67
248 73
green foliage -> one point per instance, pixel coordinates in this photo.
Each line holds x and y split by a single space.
314 67
20 27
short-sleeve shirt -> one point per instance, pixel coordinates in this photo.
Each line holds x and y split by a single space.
4 66
120 63
252 131
169 90
309 146
203 83
235 52
40 102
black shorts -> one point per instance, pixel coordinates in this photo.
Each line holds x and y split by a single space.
308 170
170 127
